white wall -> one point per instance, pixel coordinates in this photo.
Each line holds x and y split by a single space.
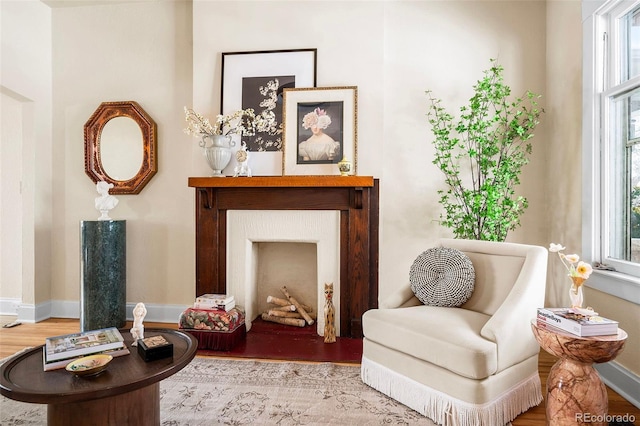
349 37
10 198
563 206
26 80
138 51
393 52
425 50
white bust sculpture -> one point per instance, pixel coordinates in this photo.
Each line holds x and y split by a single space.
137 330
105 202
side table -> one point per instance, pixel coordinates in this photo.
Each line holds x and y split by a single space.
574 388
126 393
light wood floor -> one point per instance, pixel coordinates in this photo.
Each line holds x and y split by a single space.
26 335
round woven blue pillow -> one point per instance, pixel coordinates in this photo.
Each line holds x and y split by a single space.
442 276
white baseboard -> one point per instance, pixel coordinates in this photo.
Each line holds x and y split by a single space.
71 309
621 380
9 306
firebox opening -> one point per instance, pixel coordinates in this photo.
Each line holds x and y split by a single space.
290 264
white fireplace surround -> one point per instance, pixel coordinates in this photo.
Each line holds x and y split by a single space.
246 227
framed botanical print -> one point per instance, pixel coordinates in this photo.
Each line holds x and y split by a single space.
257 80
319 130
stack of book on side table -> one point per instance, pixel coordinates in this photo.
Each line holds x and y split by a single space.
224 302
59 351
581 322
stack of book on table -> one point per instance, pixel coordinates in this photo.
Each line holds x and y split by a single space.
223 302
580 324
59 351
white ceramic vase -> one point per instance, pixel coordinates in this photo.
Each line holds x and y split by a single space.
217 149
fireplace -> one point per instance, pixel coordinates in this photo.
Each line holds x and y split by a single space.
247 230
353 199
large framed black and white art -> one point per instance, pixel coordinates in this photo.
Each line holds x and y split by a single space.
257 80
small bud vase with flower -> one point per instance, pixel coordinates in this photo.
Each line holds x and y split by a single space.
579 272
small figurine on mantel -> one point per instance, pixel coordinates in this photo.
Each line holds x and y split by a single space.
242 157
137 331
105 202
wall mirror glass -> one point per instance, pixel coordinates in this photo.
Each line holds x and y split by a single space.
120 146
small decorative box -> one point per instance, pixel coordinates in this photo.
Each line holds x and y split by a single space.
154 347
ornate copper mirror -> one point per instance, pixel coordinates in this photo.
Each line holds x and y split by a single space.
120 146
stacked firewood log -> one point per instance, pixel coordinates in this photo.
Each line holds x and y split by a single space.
288 311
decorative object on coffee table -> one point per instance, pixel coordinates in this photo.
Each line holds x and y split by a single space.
154 347
137 331
87 366
573 385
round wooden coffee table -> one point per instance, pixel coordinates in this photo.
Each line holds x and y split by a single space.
127 392
574 388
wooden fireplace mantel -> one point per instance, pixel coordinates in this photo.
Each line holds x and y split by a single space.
357 199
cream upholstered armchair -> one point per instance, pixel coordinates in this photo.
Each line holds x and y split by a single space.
476 364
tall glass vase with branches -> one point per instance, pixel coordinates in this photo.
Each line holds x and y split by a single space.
481 155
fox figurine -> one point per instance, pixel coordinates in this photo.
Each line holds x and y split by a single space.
329 315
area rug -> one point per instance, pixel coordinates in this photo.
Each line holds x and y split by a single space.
241 392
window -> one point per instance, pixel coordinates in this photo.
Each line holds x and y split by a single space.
612 144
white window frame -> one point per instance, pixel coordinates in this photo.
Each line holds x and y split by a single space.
625 282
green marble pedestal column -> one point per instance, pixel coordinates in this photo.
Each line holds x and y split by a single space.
103 274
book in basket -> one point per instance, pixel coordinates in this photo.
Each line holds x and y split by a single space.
62 363
82 343
580 325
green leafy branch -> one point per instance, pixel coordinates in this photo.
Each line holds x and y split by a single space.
492 136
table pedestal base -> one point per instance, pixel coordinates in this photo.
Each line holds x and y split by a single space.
138 407
575 394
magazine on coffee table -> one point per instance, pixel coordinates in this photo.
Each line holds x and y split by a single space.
83 343
62 363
